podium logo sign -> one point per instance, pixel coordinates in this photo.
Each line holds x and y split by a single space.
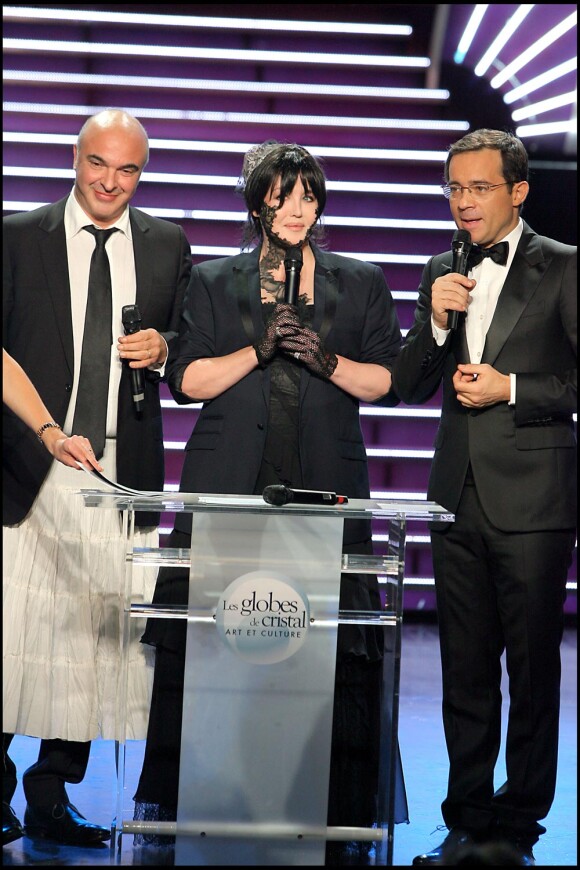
263 617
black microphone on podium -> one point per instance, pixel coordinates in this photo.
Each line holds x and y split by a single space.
460 246
293 265
131 317
278 494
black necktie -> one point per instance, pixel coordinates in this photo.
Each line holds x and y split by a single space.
91 408
498 253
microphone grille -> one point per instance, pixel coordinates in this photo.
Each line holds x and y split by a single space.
461 237
276 494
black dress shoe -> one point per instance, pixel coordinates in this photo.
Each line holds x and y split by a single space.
11 827
63 823
457 838
519 844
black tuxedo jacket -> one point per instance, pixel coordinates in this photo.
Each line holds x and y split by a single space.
523 458
37 331
356 317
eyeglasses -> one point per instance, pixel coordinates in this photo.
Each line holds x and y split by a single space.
477 191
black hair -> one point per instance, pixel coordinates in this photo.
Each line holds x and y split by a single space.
288 162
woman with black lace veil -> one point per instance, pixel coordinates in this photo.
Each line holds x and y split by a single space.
281 386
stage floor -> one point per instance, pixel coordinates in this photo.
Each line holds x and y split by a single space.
424 761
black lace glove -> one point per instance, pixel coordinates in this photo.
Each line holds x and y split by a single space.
307 347
282 321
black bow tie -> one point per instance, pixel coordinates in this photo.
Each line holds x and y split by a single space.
498 253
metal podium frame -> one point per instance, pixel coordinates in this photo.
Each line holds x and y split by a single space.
390 570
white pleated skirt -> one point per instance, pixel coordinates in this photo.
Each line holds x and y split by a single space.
64 576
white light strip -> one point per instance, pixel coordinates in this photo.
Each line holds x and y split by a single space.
329 220
547 129
398 496
503 36
230 181
409 539
300 120
286 89
242 147
470 31
224 251
420 413
534 50
387 223
15 205
388 453
544 78
372 452
364 410
544 106
199 214
412 582
395 496
183 214
15 13
182 52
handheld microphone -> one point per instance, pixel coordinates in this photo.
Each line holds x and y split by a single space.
461 246
131 317
278 494
293 265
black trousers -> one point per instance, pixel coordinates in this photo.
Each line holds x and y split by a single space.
59 762
500 591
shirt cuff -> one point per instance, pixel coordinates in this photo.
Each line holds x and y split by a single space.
440 335
512 400
159 368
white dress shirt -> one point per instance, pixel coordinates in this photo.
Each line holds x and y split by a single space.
80 246
490 277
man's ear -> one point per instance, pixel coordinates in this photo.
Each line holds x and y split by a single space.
520 192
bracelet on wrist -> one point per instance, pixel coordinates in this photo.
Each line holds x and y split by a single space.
50 425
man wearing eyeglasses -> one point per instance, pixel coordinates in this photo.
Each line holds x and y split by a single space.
505 465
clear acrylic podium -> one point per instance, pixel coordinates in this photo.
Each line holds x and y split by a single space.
262 624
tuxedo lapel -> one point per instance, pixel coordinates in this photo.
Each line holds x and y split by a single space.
462 348
526 272
54 260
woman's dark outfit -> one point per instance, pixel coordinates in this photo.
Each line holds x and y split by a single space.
274 412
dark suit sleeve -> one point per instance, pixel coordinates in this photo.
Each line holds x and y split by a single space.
381 337
196 339
544 396
7 290
183 252
419 367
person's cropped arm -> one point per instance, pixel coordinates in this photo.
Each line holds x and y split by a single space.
23 399
367 382
419 366
206 378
